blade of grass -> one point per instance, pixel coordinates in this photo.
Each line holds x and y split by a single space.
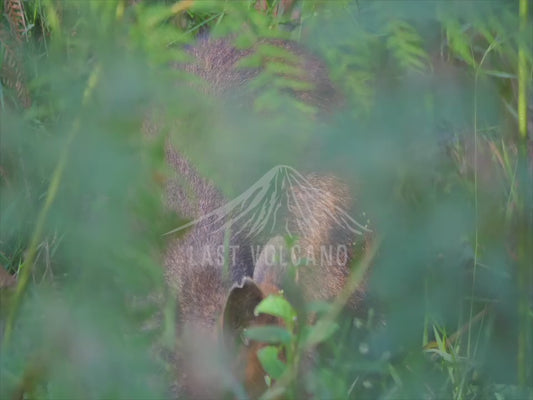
27 265
525 225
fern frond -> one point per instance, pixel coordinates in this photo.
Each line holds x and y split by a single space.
459 41
407 46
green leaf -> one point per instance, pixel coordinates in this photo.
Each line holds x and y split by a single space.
500 74
320 332
319 307
459 42
407 46
293 84
272 51
269 334
444 355
250 61
274 367
278 307
282 68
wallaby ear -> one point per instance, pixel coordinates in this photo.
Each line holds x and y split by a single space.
273 262
240 306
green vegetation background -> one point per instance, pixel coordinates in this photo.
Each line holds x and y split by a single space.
432 138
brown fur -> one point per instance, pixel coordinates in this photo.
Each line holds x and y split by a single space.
214 310
6 279
216 62
316 221
318 226
214 306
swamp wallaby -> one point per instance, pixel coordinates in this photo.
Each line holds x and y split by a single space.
217 276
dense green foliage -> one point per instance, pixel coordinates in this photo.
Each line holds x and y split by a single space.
427 136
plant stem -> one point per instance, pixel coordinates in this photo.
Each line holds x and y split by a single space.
525 219
27 266
522 72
